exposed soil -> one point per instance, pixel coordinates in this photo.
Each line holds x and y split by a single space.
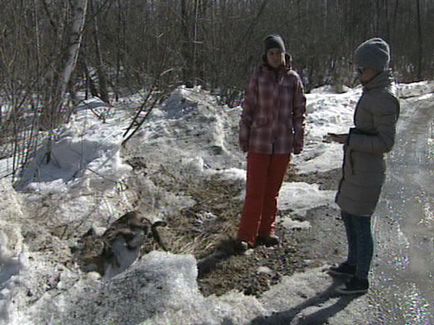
207 230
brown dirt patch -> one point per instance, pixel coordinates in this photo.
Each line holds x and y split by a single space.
207 231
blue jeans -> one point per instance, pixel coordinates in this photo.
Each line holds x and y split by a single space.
360 243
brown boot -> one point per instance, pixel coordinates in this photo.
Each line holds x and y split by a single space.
268 241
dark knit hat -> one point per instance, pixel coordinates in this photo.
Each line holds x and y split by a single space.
274 41
373 53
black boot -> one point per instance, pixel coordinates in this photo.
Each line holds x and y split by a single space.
354 286
343 269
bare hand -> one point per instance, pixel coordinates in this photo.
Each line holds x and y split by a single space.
244 147
339 138
297 151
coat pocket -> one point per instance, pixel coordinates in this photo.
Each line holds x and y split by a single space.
367 163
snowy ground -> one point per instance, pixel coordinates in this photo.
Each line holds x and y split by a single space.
88 184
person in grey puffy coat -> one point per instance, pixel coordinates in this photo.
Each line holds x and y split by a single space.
364 167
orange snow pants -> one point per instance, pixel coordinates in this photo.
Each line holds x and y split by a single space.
264 178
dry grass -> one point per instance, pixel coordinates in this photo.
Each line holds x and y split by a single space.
214 219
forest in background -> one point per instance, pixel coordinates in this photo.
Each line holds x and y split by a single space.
51 49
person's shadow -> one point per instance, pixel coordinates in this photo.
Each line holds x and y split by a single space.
224 251
319 317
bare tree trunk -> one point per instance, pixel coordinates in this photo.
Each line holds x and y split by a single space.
55 114
186 45
377 17
195 41
32 140
420 42
386 13
58 83
79 17
103 93
120 37
395 14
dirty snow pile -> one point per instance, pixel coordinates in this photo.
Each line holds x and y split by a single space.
86 183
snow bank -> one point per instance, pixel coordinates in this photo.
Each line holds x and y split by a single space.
85 146
13 260
10 203
416 89
159 289
298 198
328 89
191 131
325 113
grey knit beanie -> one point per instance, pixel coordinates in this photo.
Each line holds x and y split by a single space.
274 41
373 53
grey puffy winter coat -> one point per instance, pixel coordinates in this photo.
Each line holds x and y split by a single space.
363 170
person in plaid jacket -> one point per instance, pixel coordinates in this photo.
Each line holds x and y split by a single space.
271 128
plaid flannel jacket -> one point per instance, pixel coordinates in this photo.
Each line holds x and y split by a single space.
274 108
